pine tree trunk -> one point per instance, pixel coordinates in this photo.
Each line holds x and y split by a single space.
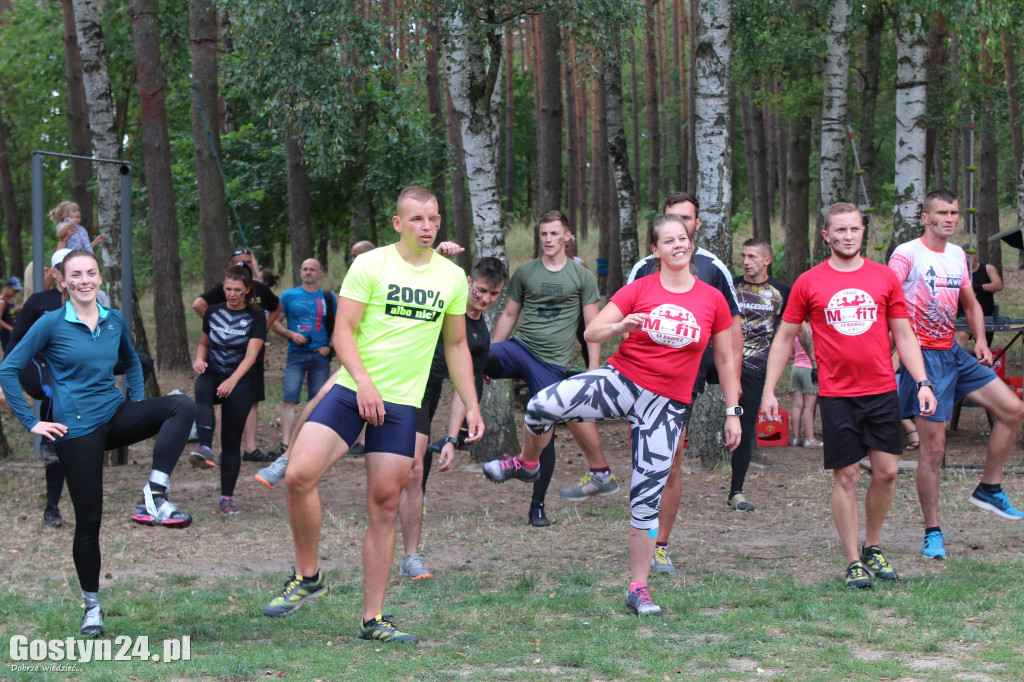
988 167
461 209
714 188
300 215
171 337
8 199
215 238
653 118
1016 119
911 74
549 138
797 198
635 110
832 158
869 93
473 56
510 124
1020 212
79 137
571 150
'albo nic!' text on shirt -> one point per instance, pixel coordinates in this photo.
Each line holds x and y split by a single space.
405 308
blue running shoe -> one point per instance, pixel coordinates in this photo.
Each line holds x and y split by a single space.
997 503
932 547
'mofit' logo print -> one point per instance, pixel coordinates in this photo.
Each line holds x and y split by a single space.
672 326
851 312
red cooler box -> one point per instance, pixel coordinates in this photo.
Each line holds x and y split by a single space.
773 433
999 366
1016 384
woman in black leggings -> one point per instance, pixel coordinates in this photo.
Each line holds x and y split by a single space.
82 342
233 334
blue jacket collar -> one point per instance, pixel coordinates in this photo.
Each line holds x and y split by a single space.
71 316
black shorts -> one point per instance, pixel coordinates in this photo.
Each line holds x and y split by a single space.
852 426
425 412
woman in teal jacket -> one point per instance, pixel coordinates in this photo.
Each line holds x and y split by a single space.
81 343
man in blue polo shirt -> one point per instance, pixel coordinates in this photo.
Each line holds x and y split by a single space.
310 313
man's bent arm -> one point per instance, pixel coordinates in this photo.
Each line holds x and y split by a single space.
460 370
507 322
200 305
593 349
778 357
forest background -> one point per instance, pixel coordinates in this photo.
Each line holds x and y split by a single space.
288 126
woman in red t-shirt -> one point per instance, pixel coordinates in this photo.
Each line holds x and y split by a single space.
669 318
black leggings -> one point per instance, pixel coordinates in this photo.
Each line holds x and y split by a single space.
169 418
35 379
233 413
752 383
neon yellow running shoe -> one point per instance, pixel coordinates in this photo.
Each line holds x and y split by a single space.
296 592
383 629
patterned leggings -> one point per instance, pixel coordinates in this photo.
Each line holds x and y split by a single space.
655 424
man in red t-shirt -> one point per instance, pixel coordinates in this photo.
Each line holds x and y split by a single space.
853 305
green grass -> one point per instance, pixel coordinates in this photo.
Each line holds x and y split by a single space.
528 624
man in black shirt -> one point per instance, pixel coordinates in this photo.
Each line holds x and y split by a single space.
271 305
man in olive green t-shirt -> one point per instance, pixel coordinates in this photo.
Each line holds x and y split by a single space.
547 296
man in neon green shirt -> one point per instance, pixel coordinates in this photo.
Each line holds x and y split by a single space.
393 303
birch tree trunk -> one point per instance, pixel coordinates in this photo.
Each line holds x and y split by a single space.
106 143
171 337
911 75
213 207
835 79
473 57
714 187
618 157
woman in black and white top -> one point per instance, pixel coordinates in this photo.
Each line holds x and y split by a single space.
233 334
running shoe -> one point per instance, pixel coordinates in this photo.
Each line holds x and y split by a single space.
873 559
383 629
202 458
92 622
589 486
639 602
227 507
52 517
157 510
278 451
412 567
997 503
500 470
538 518
738 503
297 591
932 546
857 576
274 473
661 563
257 455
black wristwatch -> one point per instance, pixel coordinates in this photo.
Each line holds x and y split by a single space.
451 439
922 384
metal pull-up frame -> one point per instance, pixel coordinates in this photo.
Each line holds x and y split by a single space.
38 255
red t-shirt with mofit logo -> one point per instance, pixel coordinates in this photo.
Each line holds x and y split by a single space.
664 355
850 314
